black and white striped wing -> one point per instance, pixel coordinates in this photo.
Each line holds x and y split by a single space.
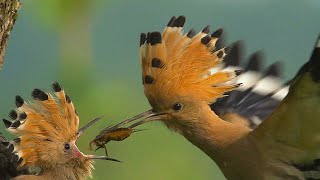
260 93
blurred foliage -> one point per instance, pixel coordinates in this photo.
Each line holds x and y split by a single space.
71 19
57 13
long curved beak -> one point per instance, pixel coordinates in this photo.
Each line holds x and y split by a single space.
81 131
85 127
77 153
101 158
153 117
146 116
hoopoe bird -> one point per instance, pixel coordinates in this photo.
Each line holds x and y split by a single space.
180 85
47 131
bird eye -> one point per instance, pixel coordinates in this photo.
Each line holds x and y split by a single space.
67 146
177 106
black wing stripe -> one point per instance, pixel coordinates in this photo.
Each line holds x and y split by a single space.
259 96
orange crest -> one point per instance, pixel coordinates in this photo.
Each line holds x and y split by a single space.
42 124
174 63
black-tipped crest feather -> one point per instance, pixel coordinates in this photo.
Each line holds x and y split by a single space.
143 39
179 22
217 33
205 40
171 21
155 38
13 114
15 124
7 123
206 29
191 33
56 87
19 101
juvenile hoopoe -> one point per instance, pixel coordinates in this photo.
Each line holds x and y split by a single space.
47 131
180 87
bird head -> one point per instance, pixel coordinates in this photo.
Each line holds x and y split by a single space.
177 73
47 131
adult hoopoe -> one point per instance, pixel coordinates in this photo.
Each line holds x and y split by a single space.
48 131
179 86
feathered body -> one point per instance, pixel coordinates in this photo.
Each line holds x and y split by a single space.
9 162
180 84
47 131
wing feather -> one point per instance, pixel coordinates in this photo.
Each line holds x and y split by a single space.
258 96
295 124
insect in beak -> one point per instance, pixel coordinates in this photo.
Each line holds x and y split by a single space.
120 133
81 131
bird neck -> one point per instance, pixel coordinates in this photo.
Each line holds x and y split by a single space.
71 171
213 135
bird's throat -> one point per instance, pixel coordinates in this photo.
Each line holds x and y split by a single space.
215 136
72 171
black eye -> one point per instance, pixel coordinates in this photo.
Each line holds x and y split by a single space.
177 106
67 146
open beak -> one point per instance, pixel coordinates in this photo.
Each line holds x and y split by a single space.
85 127
135 121
81 131
101 157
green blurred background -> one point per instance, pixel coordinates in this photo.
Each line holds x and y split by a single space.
91 48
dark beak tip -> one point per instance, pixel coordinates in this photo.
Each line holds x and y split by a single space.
116 160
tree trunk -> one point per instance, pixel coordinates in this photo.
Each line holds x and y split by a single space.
8 16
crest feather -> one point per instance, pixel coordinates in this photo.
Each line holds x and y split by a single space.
48 118
177 62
